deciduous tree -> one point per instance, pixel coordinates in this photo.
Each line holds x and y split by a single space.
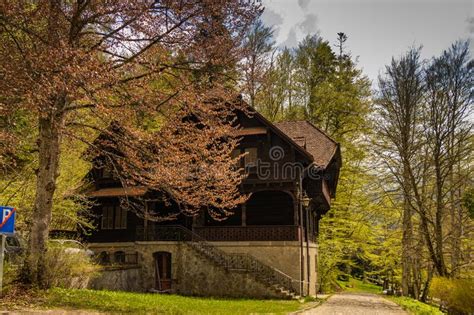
78 66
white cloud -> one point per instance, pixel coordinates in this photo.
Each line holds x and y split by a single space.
470 22
309 24
303 4
291 40
270 17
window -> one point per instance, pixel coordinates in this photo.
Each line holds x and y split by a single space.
119 257
120 218
107 217
251 157
103 258
114 217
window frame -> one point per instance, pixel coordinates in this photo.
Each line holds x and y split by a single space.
120 218
114 217
107 219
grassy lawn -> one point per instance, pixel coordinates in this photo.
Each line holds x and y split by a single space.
414 306
355 285
126 302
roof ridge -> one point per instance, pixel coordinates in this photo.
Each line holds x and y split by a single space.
312 125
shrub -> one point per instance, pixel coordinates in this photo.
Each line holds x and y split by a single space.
456 294
462 296
440 288
68 268
11 272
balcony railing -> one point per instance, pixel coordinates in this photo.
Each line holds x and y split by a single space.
249 233
222 233
163 233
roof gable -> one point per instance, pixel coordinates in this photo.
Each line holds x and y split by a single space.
287 138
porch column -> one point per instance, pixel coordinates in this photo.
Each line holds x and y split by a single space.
145 223
244 214
295 211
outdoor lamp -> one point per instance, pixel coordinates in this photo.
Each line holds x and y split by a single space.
305 200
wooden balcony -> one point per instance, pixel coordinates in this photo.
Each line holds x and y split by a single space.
248 233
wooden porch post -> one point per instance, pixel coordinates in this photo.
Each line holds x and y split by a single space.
308 263
244 214
145 223
295 209
301 235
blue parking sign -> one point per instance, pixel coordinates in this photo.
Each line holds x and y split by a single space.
7 216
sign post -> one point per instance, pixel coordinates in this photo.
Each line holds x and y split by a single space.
7 227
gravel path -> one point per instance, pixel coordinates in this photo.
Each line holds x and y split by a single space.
356 304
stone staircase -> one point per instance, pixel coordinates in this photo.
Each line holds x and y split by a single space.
272 278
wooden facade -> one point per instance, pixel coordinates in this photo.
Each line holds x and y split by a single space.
281 168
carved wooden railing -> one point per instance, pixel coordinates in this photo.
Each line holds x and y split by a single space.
230 261
249 233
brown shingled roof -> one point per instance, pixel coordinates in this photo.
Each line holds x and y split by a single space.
310 137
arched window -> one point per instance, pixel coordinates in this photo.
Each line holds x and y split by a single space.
119 257
103 258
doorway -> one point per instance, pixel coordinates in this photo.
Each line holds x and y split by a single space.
162 271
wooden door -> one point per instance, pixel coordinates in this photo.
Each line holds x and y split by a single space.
162 271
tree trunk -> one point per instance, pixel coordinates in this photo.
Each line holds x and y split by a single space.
441 266
456 224
417 266
407 240
47 173
426 287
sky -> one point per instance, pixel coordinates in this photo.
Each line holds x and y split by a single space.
376 29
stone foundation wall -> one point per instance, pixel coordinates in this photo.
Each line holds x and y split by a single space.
282 255
193 274
123 279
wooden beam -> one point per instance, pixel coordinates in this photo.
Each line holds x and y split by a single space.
251 131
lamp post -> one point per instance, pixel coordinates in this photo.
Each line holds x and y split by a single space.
305 200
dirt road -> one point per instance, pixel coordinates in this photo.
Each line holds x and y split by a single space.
356 304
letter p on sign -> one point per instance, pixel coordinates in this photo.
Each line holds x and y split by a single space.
7 214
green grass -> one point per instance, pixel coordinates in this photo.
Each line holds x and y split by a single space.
414 306
126 302
355 285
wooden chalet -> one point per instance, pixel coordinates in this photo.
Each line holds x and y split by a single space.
267 248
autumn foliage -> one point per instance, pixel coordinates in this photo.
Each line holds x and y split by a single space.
76 67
